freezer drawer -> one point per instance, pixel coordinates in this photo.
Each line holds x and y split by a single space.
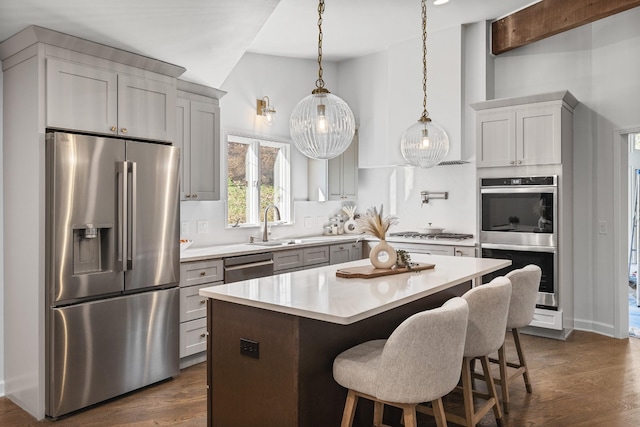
102 349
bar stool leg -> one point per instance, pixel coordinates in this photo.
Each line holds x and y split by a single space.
492 389
521 358
504 379
378 412
349 409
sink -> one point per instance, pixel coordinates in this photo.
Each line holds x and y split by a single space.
269 243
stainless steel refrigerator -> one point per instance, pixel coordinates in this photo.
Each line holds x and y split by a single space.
113 268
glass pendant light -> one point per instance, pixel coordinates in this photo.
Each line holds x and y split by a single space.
425 143
322 124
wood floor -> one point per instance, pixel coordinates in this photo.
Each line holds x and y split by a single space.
588 380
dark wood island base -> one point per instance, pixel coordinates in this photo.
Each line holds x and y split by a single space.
290 383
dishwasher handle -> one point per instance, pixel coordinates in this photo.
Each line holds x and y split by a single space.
245 267
251 265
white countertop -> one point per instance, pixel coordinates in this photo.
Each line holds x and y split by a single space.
318 294
235 249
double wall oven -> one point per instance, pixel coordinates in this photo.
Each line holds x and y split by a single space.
518 221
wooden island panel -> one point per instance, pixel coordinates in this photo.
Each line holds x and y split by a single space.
291 384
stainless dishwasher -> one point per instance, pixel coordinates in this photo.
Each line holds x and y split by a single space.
245 267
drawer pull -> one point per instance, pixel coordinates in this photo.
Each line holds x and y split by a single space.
203 301
202 273
203 335
123 130
113 128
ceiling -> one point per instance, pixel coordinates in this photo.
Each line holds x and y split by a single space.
208 37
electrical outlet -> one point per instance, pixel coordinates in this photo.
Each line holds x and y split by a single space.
184 227
250 348
308 221
602 227
203 227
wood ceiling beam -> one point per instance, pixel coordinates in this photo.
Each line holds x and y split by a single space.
550 17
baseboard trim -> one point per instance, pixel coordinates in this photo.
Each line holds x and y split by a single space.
596 327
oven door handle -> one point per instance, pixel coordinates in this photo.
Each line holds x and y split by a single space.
547 249
515 190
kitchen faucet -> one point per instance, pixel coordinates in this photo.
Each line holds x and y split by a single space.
265 234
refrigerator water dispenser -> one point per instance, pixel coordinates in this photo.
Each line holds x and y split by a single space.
90 248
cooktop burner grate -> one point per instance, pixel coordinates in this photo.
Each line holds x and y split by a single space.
427 236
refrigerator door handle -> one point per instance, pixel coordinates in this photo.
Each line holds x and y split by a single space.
122 215
132 206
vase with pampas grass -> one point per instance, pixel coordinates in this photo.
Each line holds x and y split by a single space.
376 225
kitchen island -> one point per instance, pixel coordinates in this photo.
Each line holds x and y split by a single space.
272 340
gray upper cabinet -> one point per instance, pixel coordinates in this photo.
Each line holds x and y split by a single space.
198 134
343 173
523 131
335 179
99 100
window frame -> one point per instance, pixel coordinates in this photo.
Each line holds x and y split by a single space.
255 219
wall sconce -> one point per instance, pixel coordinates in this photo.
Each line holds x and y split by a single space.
264 109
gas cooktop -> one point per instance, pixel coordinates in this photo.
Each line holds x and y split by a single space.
426 236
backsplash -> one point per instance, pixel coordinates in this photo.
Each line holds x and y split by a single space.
209 219
398 188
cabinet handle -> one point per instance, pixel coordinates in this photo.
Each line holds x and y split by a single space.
194 196
203 301
519 162
511 162
113 128
188 196
341 247
202 273
123 130
202 335
459 252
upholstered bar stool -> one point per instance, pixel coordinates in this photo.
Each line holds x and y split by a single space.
488 309
420 362
525 283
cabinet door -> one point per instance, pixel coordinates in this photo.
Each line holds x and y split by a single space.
182 141
146 108
285 260
467 251
495 138
539 136
355 251
201 272
81 97
205 151
339 254
193 337
192 305
315 255
343 174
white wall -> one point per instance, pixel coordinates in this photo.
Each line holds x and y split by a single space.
285 81
599 64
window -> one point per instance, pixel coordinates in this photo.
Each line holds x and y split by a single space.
258 174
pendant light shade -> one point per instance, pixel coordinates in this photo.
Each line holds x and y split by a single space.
322 124
425 143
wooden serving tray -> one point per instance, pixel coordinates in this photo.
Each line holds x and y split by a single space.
369 271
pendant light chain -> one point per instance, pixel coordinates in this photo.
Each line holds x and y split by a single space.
425 113
320 82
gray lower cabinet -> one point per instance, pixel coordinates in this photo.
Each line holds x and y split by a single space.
300 259
345 252
469 251
193 308
288 260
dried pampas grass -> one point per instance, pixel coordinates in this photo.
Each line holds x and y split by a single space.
373 223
